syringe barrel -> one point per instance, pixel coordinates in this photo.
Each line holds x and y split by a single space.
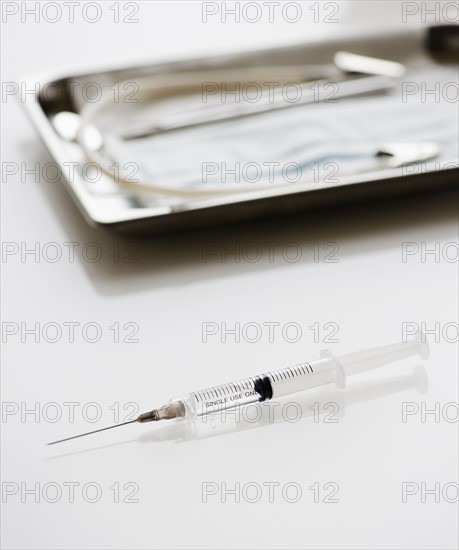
294 379
259 388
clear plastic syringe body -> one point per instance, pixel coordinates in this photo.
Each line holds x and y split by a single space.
327 369
259 388
277 383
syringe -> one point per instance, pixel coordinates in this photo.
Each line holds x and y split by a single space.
327 369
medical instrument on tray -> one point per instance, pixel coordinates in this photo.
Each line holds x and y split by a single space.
354 75
380 76
327 369
310 92
158 86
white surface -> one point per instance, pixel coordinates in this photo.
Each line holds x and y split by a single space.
170 293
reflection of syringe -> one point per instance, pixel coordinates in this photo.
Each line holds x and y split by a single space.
325 370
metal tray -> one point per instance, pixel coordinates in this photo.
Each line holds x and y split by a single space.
131 211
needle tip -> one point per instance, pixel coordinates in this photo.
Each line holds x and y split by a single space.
93 432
